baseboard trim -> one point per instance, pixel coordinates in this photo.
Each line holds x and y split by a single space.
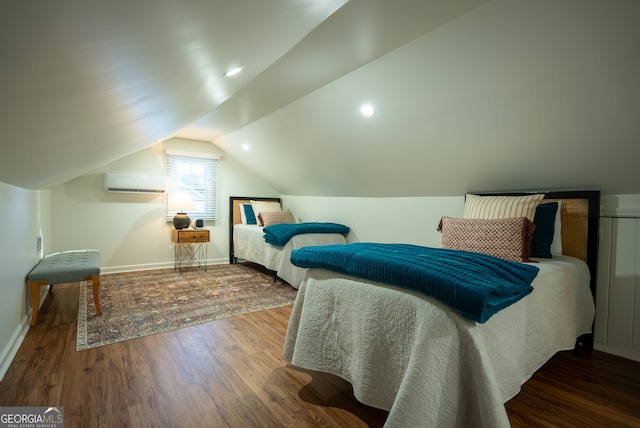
10 351
630 355
152 266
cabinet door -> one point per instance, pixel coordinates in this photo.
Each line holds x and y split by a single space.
602 281
623 318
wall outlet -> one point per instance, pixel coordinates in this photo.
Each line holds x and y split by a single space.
39 246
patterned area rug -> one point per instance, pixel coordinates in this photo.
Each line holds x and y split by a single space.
137 304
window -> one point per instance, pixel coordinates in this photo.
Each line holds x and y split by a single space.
192 178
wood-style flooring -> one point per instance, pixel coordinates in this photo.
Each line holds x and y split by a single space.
230 373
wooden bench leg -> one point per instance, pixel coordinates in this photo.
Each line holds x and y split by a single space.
35 296
95 280
35 299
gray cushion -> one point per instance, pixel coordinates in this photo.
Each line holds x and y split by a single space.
66 266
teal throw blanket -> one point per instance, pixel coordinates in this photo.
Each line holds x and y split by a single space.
476 285
279 234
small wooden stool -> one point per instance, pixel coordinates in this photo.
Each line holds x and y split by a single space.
64 267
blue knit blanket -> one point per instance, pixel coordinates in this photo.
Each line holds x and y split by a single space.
279 234
476 285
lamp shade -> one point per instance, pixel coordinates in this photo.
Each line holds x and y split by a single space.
181 202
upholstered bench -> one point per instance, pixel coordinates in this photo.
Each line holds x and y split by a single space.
64 267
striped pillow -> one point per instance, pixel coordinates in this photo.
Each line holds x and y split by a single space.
507 238
267 218
492 207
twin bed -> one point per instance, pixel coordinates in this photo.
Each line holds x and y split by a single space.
247 242
426 363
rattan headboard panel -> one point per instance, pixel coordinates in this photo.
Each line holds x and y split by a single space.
235 209
574 217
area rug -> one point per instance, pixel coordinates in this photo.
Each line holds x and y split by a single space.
137 304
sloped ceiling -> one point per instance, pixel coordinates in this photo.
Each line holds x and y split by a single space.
469 94
88 82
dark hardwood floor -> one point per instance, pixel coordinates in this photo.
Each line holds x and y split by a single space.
230 373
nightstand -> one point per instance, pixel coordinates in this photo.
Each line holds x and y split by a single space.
190 248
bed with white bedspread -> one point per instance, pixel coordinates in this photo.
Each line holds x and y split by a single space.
428 365
247 242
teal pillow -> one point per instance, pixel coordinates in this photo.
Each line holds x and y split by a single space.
249 214
544 220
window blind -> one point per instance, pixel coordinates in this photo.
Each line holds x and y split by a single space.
195 176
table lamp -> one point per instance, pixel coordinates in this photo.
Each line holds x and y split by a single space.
181 202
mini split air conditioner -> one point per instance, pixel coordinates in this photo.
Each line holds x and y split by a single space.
131 183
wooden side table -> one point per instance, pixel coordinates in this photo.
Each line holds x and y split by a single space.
190 248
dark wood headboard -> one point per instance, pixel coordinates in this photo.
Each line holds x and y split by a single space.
235 217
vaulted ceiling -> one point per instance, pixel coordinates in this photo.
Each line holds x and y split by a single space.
468 94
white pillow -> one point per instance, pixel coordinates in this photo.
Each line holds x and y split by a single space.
264 206
243 215
556 244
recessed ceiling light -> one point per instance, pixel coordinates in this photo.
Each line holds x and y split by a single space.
245 147
232 71
367 109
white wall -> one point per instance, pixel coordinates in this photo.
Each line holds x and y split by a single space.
130 230
24 214
620 205
408 220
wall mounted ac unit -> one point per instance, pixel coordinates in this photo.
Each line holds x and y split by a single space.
131 183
